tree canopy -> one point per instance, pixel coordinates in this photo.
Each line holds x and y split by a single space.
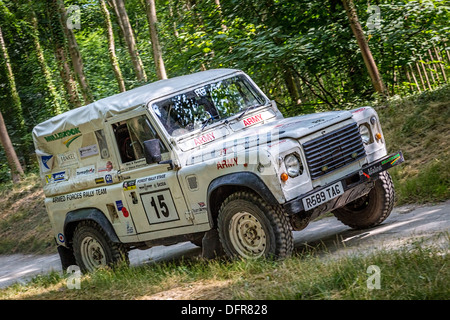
61 54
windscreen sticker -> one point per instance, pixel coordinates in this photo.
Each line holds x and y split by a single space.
204 138
252 120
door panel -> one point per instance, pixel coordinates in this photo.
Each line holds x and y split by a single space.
151 192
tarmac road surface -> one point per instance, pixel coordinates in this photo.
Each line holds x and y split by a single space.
328 235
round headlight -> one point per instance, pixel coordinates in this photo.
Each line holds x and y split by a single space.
293 165
365 133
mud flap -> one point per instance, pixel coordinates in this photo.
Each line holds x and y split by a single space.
211 246
67 257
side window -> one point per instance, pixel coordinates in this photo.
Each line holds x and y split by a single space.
130 136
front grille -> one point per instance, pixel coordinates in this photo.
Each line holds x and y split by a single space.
333 150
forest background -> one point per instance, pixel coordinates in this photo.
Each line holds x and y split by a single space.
57 55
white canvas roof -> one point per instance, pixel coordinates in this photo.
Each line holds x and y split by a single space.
92 115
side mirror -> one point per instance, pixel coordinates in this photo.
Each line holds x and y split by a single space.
152 151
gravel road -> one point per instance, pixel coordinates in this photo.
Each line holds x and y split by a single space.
404 225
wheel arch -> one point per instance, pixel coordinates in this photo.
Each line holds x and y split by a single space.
220 188
74 217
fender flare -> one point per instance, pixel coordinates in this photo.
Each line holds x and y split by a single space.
93 214
240 179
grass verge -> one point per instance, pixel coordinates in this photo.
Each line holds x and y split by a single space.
24 224
415 271
419 126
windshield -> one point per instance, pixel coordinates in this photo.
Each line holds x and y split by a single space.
195 109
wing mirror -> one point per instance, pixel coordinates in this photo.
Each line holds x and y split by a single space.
152 151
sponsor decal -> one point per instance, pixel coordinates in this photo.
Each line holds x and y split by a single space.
129 185
100 180
67 159
108 179
204 139
70 140
47 163
394 159
63 134
358 110
88 151
80 195
85 171
227 163
322 121
61 238
54 177
252 120
108 167
119 205
130 228
200 92
375 169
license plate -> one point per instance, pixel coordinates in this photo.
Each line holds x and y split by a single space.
322 196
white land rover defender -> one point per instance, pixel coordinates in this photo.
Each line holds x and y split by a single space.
206 158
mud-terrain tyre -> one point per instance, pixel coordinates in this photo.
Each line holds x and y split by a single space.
251 228
93 249
371 209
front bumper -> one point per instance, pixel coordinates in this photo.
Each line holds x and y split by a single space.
354 186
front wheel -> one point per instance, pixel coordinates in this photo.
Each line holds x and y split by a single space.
372 209
250 228
93 249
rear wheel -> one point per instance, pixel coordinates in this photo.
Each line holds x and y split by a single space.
250 228
93 249
371 209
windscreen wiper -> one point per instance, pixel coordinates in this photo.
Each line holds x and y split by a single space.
248 109
205 122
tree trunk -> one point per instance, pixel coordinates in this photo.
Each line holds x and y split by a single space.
75 55
157 52
70 84
17 105
55 99
59 48
219 8
111 47
371 66
129 39
11 156
292 86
